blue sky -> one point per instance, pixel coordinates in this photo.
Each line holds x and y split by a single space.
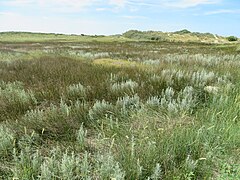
117 16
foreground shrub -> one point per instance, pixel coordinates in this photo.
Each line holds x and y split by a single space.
6 141
56 120
65 165
108 168
14 99
26 164
15 95
81 137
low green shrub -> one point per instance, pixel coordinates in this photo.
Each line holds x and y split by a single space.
232 38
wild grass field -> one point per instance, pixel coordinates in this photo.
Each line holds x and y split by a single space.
119 109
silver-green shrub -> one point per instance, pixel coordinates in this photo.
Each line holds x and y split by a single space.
101 109
204 60
153 102
157 173
127 104
70 166
13 94
128 86
108 168
200 78
26 164
81 137
87 55
55 119
174 103
76 91
65 165
50 166
6 141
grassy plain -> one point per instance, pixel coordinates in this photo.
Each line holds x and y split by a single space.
80 107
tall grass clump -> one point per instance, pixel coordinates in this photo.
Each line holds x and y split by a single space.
139 155
79 112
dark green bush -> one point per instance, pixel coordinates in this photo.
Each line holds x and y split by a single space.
232 38
184 31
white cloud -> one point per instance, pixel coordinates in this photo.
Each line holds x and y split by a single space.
76 3
134 17
7 13
223 11
188 3
119 3
67 3
17 22
79 5
102 9
17 2
64 5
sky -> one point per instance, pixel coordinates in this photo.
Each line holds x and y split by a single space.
106 17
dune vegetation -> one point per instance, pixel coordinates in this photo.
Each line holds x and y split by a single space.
118 109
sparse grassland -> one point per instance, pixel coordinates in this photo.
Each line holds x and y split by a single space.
118 109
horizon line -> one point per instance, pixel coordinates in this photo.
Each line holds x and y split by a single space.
81 34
